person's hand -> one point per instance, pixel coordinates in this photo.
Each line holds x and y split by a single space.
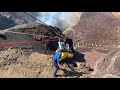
61 49
61 67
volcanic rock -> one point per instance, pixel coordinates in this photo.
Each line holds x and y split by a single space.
108 64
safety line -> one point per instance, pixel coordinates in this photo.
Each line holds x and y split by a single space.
22 43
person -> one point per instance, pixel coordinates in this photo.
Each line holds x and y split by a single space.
58 57
70 42
67 47
61 44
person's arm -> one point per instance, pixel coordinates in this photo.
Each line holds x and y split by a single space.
59 45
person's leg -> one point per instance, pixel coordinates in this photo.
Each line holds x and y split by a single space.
55 71
56 68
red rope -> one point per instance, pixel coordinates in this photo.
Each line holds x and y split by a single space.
21 43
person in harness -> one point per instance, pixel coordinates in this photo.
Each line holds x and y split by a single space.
67 47
58 57
63 45
70 43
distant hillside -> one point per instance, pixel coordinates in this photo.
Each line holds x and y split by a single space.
98 30
10 19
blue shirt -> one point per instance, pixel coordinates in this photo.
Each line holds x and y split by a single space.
57 57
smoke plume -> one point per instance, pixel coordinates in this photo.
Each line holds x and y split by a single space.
63 20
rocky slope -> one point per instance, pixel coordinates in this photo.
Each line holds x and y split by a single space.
97 33
96 30
19 63
31 28
96 40
108 65
33 61
30 61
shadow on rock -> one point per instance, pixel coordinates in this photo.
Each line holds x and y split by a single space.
71 63
3 37
72 73
78 57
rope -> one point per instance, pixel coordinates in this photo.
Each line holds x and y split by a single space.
22 43
43 23
18 43
35 18
30 34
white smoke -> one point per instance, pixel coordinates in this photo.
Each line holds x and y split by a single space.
63 20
